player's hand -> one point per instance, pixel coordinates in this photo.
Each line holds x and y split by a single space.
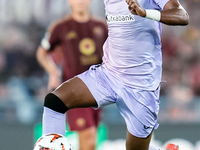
54 82
136 8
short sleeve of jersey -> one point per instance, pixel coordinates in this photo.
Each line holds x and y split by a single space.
51 39
161 3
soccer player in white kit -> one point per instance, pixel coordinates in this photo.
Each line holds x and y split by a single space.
130 74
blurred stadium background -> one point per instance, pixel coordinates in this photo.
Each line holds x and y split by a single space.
23 83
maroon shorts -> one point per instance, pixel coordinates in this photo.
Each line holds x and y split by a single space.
82 118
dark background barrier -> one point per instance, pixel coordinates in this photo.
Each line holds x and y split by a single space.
21 137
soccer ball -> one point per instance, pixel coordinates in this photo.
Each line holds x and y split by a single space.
53 141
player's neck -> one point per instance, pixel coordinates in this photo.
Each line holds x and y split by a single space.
81 17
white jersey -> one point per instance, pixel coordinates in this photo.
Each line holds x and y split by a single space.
132 51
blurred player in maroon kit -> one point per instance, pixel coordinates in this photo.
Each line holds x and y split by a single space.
76 42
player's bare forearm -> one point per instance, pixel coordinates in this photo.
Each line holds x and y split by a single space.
46 62
49 66
174 15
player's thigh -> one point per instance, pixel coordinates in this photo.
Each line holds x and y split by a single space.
135 143
74 93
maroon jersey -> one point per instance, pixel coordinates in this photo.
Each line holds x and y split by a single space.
80 43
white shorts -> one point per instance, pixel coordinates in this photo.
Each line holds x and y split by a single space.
139 108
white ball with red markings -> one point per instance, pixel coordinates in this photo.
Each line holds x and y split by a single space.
53 141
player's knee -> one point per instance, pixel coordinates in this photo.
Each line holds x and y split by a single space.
55 103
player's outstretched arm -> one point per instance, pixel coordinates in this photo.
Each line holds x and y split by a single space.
172 14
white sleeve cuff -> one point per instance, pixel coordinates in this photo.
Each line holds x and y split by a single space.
45 42
153 14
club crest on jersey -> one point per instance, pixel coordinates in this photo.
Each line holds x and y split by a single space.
87 46
119 18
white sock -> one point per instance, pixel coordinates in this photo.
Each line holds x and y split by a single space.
53 122
154 148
